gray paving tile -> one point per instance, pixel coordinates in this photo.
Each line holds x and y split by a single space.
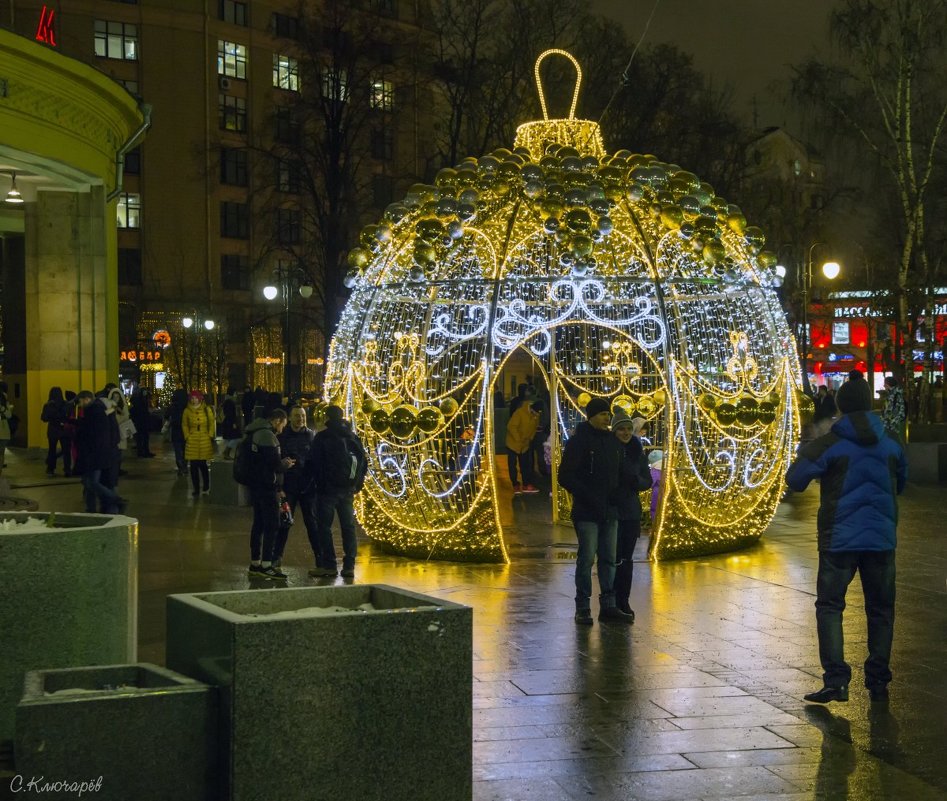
572 767
735 721
679 742
520 790
761 756
544 748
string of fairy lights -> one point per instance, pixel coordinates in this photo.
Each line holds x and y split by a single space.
625 278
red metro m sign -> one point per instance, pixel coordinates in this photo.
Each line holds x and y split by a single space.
46 31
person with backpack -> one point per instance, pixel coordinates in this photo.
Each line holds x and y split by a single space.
339 466
299 488
259 465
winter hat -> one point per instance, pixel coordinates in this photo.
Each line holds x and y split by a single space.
853 396
196 393
597 406
334 413
656 459
621 416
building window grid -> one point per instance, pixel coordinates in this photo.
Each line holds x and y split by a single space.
128 210
288 176
285 73
335 84
287 125
133 161
233 113
289 224
234 220
383 144
129 266
118 40
231 59
233 11
284 26
382 95
233 166
234 272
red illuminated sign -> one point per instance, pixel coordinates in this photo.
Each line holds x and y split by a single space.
45 31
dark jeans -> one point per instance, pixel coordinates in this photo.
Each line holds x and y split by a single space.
199 472
628 533
59 442
595 539
178 445
265 528
142 441
525 461
96 486
836 571
329 503
307 504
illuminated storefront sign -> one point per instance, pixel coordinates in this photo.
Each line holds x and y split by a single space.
161 338
841 333
45 31
268 360
140 356
940 309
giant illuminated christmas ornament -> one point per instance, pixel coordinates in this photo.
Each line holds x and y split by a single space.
623 278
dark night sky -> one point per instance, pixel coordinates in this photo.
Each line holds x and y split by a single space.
744 44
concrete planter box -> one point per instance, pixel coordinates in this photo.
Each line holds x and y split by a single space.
69 597
223 489
148 732
348 704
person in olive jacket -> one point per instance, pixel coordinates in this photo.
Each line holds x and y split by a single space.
635 478
591 470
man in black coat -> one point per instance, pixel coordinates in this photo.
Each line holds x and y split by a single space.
339 466
299 487
590 470
96 443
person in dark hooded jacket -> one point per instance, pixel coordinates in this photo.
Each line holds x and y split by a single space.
861 472
590 470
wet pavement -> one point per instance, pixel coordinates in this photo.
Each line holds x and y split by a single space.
700 699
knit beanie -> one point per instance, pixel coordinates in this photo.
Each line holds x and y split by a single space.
853 396
334 413
620 416
597 406
196 393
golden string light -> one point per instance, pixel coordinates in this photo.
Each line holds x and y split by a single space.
625 278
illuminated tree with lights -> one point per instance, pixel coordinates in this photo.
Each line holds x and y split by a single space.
624 278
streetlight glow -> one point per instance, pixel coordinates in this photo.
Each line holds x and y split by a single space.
831 269
780 270
209 325
187 322
270 292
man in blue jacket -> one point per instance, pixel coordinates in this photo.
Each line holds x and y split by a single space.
862 470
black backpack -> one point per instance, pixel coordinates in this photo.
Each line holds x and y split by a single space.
345 462
244 461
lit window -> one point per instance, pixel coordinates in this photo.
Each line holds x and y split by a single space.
383 95
233 11
129 210
116 40
231 59
233 113
285 73
335 85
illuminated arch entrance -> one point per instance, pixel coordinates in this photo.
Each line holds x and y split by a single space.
629 278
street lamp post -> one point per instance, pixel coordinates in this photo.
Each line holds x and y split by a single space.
289 279
195 325
830 270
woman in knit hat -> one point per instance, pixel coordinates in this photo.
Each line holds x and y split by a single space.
199 424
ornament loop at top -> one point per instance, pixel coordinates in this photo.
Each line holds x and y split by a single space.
539 82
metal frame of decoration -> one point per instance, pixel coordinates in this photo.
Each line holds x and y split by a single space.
626 279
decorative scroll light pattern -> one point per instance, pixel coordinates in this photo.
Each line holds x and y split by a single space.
626 279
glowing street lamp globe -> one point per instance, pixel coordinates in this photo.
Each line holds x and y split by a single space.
622 277
270 292
831 269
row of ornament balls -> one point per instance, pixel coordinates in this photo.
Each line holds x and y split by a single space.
646 406
404 421
747 411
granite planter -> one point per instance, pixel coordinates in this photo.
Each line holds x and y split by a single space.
321 704
146 731
69 597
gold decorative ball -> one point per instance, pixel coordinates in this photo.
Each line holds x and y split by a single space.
660 397
624 402
766 412
449 407
583 399
369 405
379 421
402 421
430 419
726 413
647 406
707 402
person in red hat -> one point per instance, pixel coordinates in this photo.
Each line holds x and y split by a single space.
199 424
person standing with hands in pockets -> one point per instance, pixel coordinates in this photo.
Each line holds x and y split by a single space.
199 424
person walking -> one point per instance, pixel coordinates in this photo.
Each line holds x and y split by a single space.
268 468
520 431
126 427
199 425
635 478
175 419
861 472
339 466
299 483
141 417
591 470
825 410
96 443
55 415
894 415
229 427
